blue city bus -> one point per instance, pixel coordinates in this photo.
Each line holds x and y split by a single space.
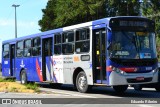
114 51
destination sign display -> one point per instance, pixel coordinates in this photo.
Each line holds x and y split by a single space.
133 23
127 23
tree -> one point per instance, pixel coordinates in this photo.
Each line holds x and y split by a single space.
60 13
49 15
71 12
151 9
123 7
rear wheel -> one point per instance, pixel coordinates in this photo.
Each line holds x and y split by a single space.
120 88
82 83
23 77
137 87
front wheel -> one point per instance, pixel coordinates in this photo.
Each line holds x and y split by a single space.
137 87
23 77
120 88
82 83
157 87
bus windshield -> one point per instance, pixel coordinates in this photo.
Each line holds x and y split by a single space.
132 45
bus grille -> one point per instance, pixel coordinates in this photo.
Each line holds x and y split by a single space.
136 81
135 62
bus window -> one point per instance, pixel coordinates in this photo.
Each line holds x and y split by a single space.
67 48
68 37
6 51
19 49
57 44
68 43
48 47
36 50
27 48
82 41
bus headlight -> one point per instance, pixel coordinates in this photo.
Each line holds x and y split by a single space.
119 71
122 72
154 71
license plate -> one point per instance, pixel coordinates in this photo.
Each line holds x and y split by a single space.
140 78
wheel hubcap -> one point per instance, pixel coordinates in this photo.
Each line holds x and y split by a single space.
23 79
82 82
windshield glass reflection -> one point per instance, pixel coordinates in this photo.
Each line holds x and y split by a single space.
132 45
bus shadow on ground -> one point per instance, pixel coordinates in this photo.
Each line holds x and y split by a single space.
109 91
129 93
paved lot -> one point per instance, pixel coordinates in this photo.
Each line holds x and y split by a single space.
66 92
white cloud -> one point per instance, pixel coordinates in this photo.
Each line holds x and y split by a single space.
20 23
4 22
27 24
24 27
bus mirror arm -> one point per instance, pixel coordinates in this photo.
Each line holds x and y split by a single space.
109 46
109 28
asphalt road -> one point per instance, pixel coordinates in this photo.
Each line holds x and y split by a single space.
66 92
102 92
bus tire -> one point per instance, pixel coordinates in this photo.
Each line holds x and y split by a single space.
82 83
137 87
158 88
120 88
23 77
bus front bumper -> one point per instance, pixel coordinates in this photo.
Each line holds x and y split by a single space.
133 78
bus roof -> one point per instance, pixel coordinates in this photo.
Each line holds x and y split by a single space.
59 30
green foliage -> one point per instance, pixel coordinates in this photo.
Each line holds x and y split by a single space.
33 86
60 13
7 80
122 8
71 12
152 10
47 21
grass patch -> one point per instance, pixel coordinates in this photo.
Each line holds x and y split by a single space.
13 89
33 86
9 85
7 80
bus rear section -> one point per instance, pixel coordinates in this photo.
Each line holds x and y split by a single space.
8 60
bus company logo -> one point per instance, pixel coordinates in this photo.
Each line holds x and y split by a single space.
76 59
6 101
22 64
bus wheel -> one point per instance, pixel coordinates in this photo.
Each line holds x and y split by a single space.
158 88
137 87
120 88
81 83
23 77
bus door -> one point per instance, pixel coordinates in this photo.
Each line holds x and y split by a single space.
47 51
99 55
12 60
